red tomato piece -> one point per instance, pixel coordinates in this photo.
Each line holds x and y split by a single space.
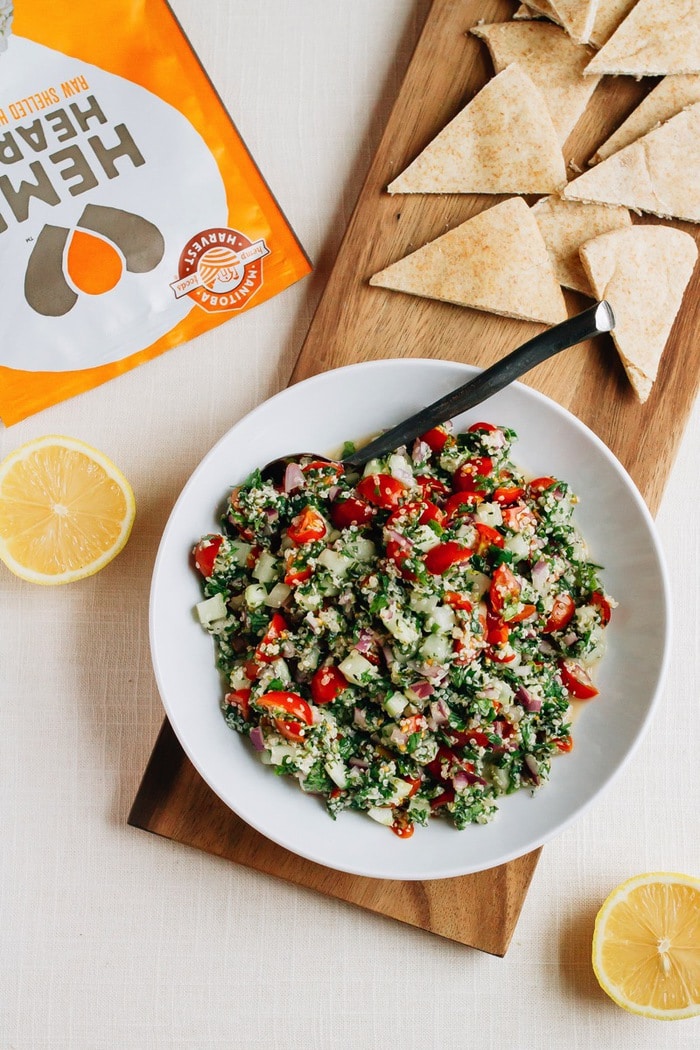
497 632
399 554
205 554
469 738
488 537
576 680
443 799
351 511
507 494
239 698
423 510
280 700
539 485
461 503
465 477
307 526
268 648
504 589
402 826
436 438
327 683
443 556
603 605
382 490
457 600
431 486
562 611
290 730
518 517
564 743
488 428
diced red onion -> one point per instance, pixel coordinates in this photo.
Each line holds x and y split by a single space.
397 737
569 638
532 768
359 763
546 647
365 642
399 538
497 439
422 689
540 572
333 492
359 718
435 672
256 738
293 477
438 713
388 655
420 452
527 700
464 779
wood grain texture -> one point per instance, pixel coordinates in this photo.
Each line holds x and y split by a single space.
478 910
356 322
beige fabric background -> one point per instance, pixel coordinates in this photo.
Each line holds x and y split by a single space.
111 939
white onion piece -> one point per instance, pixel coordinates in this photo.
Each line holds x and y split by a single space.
293 477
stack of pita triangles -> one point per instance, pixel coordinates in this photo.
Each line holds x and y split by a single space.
657 173
554 63
656 37
643 272
670 96
496 261
503 141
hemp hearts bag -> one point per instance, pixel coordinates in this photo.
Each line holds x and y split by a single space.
132 217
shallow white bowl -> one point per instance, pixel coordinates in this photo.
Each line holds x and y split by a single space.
353 403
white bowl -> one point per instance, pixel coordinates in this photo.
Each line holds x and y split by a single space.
353 403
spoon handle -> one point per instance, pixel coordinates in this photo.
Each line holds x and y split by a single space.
593 321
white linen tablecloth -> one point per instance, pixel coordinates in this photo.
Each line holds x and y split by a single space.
113 939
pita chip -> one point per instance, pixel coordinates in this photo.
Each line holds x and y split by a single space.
551 59
670 96
566 225
537 9
658 173
503 141
643 272
577 17
496 261
657 37
608 17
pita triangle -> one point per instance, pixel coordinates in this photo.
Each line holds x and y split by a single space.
657 174
566 225
608 17
643 272
670 96
551 59
656 38
577 17
503 141
496 261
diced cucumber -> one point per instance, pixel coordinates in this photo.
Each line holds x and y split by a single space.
436 647
356 668
335 562
255 595
489 514
401 788
265 568
394 704
211 609
337 772
361 549
382 815
278 595
240 551
441 619
402 629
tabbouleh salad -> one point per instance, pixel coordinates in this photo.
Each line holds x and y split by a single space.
406 641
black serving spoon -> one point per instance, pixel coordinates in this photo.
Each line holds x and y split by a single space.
596 320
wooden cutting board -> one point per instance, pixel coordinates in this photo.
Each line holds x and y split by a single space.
355 322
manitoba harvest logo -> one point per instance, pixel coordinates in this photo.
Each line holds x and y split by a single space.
220 269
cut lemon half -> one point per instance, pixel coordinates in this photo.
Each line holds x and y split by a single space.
646 946
65 510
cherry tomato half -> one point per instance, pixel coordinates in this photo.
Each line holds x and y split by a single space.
326 684
443 556
436 438
239 698
461 503
307 526
603 605
504 589
351 511
466 476
286 703
268 649
576 680
562 611
205 554
382 490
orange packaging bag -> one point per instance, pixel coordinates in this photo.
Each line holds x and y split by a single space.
132 217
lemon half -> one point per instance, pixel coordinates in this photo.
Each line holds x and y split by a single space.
646 945
65 510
